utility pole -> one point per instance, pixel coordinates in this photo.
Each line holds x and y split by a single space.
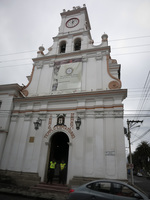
130 124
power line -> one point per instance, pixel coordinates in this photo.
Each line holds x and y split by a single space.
130 53
15 60
21 52
145 133
21 65
111 55
35 50
130 38
144 97
145 93
131 46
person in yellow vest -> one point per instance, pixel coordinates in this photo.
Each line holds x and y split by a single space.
62 172
51 171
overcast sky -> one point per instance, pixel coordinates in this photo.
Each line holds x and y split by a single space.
26 25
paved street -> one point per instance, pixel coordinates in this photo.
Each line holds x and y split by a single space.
142 183
19 197
5 196
13 197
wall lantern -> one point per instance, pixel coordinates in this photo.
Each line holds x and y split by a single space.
78 123
37 123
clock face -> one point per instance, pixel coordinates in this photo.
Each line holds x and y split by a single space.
69 71
72 22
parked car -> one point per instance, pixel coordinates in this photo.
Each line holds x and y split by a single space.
106 190
139 174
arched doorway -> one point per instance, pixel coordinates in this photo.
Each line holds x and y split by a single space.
59 151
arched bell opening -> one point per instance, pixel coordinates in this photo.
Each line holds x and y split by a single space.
62 47
77 44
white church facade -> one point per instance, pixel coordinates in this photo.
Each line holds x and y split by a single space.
70 110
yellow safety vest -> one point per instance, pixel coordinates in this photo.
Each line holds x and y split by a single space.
62 165
52 165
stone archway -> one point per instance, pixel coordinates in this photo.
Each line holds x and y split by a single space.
59 150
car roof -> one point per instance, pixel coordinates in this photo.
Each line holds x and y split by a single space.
108 180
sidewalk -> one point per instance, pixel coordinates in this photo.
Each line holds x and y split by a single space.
38 193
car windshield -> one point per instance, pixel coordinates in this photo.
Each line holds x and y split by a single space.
123 190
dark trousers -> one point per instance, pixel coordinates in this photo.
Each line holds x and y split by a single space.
50 175
62 176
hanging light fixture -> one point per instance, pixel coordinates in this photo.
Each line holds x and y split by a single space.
37 123
78 123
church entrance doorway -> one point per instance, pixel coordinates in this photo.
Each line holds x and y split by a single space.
59 152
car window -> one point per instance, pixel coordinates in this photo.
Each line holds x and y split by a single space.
122 190
100 187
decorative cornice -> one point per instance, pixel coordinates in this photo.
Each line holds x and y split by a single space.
99 56
14 117
105 113
114 84
10 87
73 96
24 91
39 64
28 116
80 110
71 35
84 58
75 53
51 64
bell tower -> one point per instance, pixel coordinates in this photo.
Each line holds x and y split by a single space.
74 31
74 21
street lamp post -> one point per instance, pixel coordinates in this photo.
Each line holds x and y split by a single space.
130 154
130 124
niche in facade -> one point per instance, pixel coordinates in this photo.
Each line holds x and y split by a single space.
77 44
63 47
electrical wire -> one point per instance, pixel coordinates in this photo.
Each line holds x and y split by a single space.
21 65
143 99
15 60
131 46
145 133
70 46
21 52
145 93
130 38
31 58
122 54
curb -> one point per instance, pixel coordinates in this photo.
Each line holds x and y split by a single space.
39 195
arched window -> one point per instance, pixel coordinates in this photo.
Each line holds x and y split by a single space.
77 44
63 47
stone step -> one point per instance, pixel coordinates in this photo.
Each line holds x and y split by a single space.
19 178
43 187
